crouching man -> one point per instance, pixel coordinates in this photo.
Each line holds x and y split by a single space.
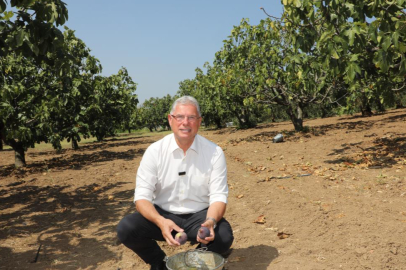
181 185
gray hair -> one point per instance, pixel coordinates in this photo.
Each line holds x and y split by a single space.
186 100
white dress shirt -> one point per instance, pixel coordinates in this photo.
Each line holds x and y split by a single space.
204 181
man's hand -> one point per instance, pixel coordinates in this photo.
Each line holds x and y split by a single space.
167 226
216 211
147 209
208 224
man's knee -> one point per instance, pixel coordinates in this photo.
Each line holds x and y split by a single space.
227 241
225 237
124 228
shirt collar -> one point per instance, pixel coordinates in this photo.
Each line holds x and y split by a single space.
195 145
173 145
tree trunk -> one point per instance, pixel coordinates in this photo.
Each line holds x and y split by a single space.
324 112
240 121
2 135
366 110
218 122
19 153
380 106
398 101
75 145
365 107
297 121
247 120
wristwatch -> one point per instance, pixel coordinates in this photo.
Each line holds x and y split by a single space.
214 221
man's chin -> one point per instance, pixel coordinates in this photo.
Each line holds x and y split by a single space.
185 135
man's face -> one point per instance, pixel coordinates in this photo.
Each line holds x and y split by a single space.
186 129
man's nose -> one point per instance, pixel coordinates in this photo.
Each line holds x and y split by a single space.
186 119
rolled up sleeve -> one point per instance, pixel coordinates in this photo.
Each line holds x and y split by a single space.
146 179
218 188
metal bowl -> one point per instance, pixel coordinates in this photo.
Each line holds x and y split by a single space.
196 259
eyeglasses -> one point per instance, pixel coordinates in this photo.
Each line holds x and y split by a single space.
190 118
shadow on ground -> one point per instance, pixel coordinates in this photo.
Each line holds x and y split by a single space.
254 257
385 152
76 159
63 220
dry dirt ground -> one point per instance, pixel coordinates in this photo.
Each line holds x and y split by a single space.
331 198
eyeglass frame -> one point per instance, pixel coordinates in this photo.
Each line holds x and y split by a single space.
192 120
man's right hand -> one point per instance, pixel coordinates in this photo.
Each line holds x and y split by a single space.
147 209
167 226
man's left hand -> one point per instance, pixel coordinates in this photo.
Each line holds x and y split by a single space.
209 224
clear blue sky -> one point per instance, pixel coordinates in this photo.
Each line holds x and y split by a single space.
161 43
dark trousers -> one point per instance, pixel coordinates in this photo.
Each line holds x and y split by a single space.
140 235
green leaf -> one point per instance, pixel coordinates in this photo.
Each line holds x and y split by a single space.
402 47
395 38
403 66
386 43
381 60
352 69
19 38
335 54
354 58
350 33
8 15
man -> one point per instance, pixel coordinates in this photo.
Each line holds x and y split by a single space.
181 185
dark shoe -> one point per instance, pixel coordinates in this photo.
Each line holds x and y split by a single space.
158 266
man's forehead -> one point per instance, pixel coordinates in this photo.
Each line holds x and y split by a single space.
185 107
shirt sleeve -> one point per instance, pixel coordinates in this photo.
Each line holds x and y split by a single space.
146 179
218 188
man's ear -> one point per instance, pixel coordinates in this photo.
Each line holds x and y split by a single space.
169 120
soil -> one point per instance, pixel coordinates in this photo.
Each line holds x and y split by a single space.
333 197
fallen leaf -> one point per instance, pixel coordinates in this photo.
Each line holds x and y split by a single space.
260 219
283 235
